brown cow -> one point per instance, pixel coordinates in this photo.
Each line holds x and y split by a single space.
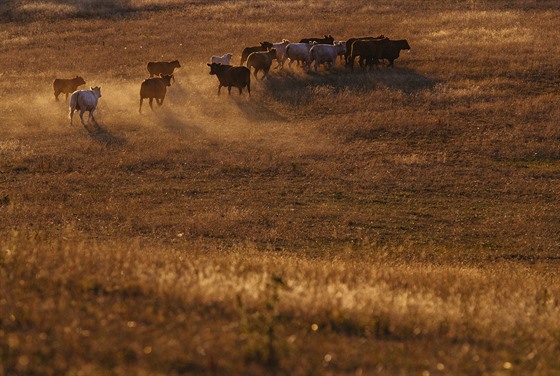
154 88
265 46
261 61
66 86
162 68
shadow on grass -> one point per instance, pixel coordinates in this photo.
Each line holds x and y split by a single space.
181 122
297 87
256 111
101 135
175 123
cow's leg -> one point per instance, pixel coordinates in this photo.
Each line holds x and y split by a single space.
229 90
66 97
219 88
72 115
140 109
160 101
82 117
56 94
93 117
151 101
265 74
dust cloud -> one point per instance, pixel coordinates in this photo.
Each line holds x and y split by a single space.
191 109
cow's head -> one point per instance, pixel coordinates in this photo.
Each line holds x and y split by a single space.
167 79
402 44
79 80
272 52
215 68
176 64
96 90
340 47
266 45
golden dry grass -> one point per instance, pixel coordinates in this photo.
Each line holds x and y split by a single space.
400 221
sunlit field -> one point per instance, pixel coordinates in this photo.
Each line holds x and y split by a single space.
390 221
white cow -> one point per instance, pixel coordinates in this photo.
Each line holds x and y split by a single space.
326 53
224 60
84 100
298 52
281 51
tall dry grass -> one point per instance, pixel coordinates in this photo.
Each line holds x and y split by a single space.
116 308
395 221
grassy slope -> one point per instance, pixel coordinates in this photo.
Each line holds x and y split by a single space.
411 214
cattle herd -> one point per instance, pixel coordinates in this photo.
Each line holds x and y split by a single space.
309 53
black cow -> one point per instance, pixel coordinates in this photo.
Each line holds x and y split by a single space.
229 76
368 51
265 46
392 51
350 41
327 39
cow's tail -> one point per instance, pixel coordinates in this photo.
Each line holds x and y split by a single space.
73 103
249 83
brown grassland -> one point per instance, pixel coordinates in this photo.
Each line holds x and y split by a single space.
397 221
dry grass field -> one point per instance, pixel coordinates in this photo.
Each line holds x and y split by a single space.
399 221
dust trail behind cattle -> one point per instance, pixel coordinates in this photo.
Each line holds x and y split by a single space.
192 111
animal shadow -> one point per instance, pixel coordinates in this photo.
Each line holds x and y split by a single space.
298 89
101 135
255 111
